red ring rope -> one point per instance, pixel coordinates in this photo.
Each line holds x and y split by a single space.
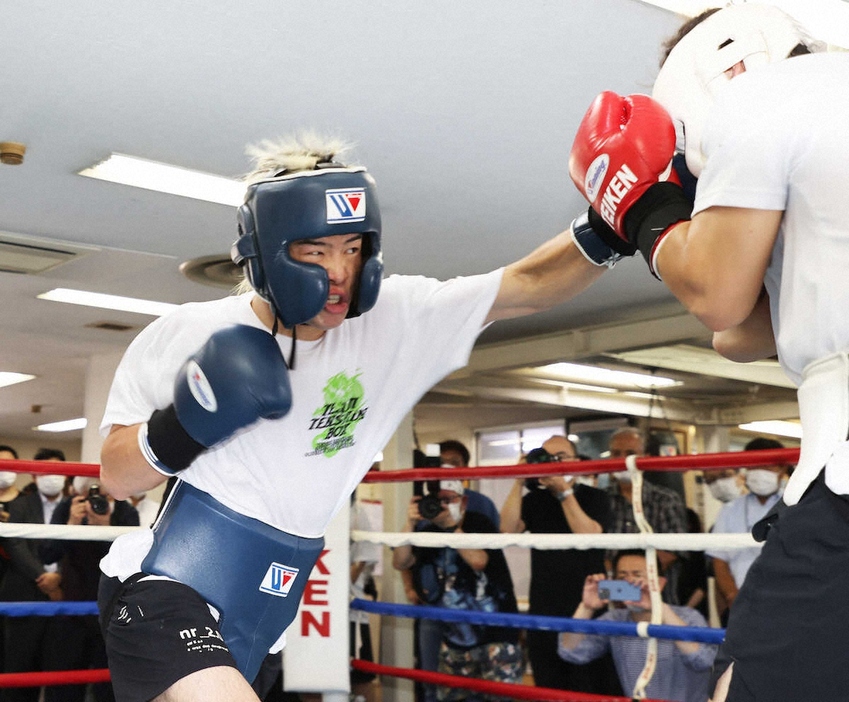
89 470
509 690
54 677
705 461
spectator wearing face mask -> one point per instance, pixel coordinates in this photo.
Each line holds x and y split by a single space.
429 632
765 485
8 493
29 641
724 485
8 490
464 579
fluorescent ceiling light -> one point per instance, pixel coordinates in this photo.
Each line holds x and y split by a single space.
775 426
8 378
634 393
67 425
504 442
700 361
108 302
165 178
604 376
589 388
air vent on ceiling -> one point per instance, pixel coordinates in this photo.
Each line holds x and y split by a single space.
110 326
218 271
20 254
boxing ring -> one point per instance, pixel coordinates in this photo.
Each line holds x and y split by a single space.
645 540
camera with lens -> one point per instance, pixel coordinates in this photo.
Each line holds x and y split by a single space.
430 505
99 504
537 455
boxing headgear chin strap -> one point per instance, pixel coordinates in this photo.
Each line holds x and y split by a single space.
694 72
307 205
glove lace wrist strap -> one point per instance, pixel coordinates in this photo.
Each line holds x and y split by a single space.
166 445
659 208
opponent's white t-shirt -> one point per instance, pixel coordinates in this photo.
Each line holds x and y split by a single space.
350 390
778 139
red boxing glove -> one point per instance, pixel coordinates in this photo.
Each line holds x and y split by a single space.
623 146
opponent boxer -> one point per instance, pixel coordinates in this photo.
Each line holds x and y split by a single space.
761 260
262 455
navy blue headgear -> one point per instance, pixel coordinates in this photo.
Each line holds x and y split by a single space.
307 205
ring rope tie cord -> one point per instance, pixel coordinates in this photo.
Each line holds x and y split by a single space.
650 666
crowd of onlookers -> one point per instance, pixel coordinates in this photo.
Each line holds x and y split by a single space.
563 582
573 583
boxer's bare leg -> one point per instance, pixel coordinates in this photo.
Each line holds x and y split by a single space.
210 685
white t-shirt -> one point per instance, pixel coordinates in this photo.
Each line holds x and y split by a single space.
738 517
777 139
350 390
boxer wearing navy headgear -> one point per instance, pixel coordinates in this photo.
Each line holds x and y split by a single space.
762 261
204 395
305 206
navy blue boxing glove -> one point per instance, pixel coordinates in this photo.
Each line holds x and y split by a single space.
236 378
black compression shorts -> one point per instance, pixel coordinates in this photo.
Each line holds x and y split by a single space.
157 632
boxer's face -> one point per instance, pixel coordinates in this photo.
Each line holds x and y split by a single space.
341 256
735 70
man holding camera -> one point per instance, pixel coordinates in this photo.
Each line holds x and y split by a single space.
557 504
464 579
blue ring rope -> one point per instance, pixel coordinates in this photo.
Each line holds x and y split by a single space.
515 621
699 634
46 609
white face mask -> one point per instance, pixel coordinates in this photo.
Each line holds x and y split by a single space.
762 482
725 489
81 484
50 485
454 511
623 476
7 479
587 480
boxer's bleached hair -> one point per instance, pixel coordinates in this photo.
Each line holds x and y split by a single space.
297 152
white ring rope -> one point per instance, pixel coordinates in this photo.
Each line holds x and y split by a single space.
65 532
663 542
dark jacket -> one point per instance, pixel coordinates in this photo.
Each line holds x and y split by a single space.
25 563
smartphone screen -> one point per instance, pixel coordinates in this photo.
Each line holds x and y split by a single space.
618 591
